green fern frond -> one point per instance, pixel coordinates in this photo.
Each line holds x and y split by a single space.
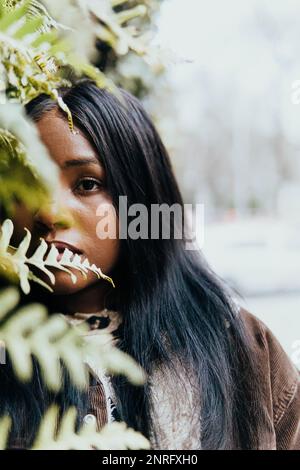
27 68
15 261
101 355
36 48
28 332
27 173
119 37
114 436
5 426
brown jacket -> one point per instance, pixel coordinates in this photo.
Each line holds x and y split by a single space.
281 384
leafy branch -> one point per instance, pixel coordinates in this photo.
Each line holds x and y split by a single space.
29 332
112 436
36 47
16 261
24 161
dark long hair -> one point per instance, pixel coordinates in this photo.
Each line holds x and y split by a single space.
172 304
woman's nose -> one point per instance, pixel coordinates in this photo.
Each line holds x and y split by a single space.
52 217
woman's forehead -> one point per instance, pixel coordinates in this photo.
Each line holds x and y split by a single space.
64 146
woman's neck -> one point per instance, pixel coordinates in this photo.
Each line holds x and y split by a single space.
89 300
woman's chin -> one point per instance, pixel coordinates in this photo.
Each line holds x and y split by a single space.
65 286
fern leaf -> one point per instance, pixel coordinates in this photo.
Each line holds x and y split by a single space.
5 426
31 25
113 436
28 332
16 260
14 15
129 14
50 436
24 161
9 299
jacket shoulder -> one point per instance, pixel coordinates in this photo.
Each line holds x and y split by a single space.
264 340
280 377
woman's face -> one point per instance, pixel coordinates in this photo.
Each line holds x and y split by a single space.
70 220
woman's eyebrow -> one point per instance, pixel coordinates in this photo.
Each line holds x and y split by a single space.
81 162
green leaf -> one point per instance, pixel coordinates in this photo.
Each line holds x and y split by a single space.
15 260
13 16
29 332
49 37
64 437
9 299
5 426
29 27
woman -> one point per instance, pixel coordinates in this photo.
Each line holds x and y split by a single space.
218 379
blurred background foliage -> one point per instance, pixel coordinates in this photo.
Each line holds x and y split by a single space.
87 37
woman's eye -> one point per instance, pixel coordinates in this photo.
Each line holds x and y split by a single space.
88 185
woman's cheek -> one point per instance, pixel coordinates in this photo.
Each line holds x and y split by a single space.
101 226
106 221
107 242
21 218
